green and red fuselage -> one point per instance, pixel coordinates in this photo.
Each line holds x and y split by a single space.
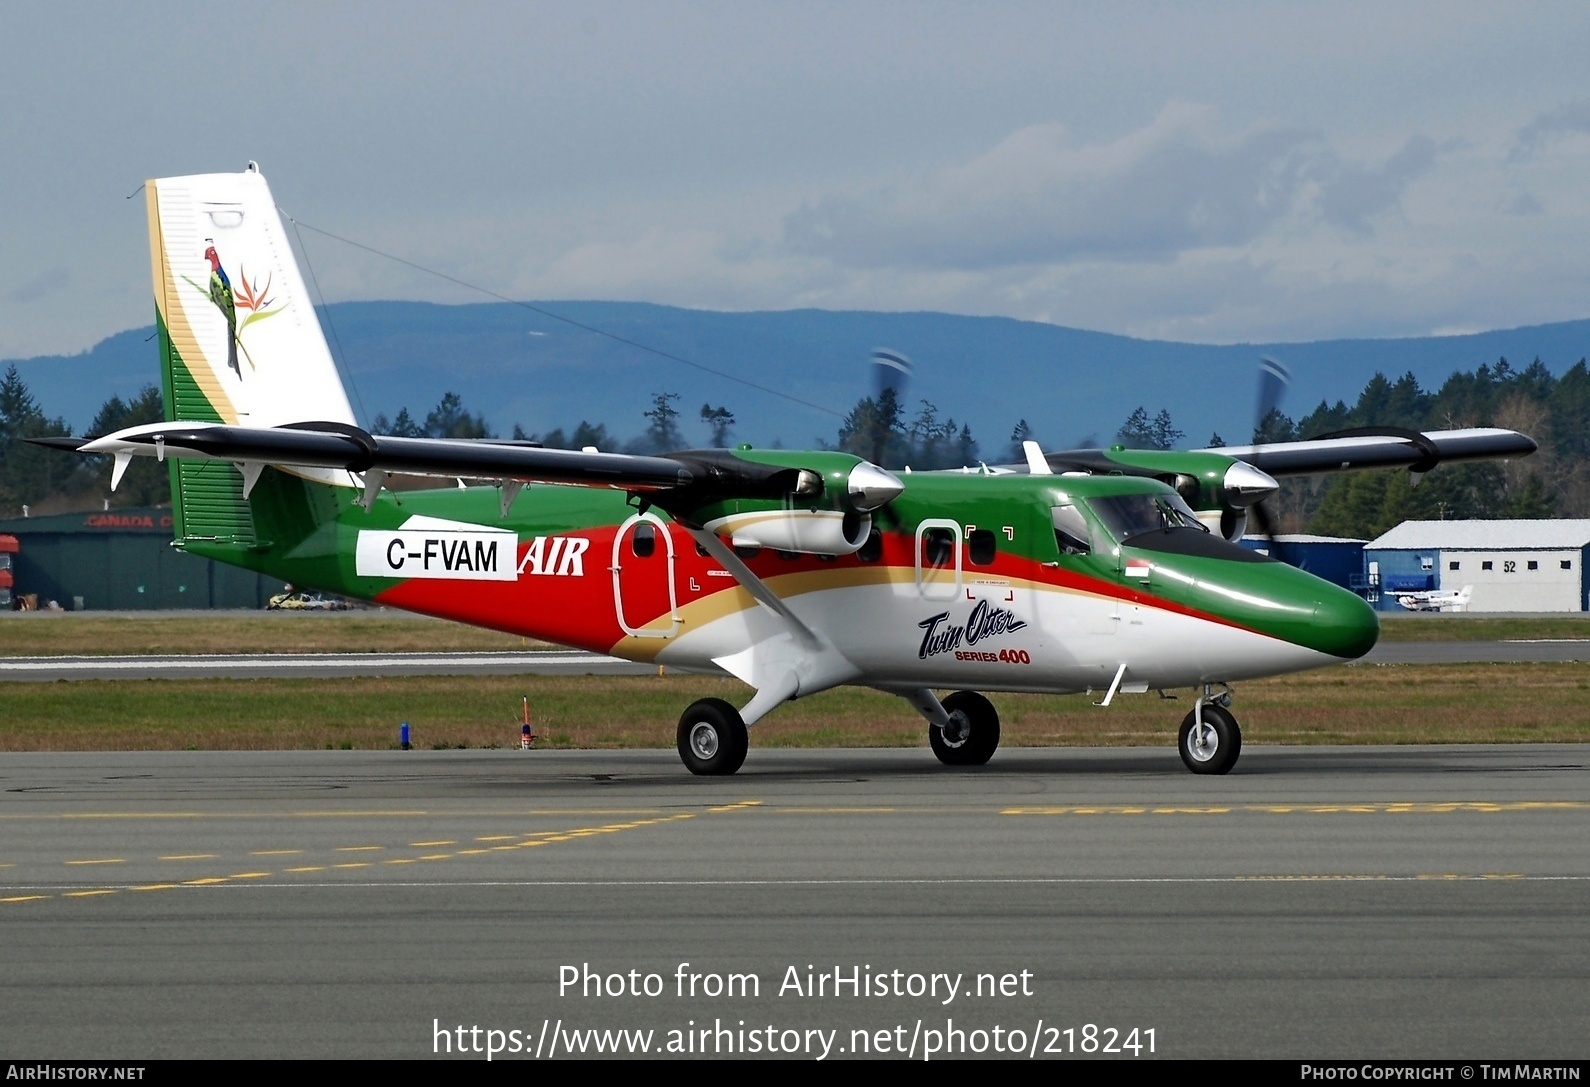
791 571
964 581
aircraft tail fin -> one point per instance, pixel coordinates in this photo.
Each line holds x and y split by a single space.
239 339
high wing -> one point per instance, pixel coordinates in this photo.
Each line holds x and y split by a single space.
340 446
1381 447
690 480
1222 484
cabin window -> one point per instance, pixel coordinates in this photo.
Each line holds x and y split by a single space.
1567 564
872 550
788 556
701 551
1454 565
1070 531
938 547
1487 565
981 546
747 551
644 540
1533 565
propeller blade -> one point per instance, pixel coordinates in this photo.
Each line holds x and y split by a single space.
891 376
1274 379
890 370
1261 513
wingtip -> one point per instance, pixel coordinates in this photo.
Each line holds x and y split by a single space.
71 445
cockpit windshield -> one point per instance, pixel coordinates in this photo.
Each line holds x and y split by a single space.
1128 515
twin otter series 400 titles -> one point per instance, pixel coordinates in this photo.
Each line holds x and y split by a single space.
1105 570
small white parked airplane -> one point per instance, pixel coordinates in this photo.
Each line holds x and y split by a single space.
1436 600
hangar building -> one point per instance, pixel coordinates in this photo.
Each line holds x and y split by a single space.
122 560
1513 565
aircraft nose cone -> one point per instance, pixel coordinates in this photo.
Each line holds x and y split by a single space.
1344 625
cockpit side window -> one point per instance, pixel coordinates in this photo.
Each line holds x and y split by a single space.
1128 515
1071 531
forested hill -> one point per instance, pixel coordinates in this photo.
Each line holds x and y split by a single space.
516 366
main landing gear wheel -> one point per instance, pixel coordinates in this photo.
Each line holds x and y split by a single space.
972 734
1215 749
712 738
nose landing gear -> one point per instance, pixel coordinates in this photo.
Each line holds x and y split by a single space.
1210 739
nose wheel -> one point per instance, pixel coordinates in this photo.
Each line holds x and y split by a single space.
972 734
1210 746
712 737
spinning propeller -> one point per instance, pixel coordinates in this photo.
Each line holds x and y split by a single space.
1274 379
872 487
891 375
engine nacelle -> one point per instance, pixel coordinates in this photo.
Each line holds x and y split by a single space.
1230 522
812 532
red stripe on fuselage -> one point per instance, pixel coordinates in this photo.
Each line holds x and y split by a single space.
578 609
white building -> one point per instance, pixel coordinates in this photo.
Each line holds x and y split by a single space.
1512 565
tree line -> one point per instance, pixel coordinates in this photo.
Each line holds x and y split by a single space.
1555 482
34 476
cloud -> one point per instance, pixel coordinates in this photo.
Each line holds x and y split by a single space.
1355 192
1040 198
48 282
1565 119
1524 204
675 265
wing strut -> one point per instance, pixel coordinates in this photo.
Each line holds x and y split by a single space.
713 544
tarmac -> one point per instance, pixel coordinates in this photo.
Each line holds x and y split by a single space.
1350 903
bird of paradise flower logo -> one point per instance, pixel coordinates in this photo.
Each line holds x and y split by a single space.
249 297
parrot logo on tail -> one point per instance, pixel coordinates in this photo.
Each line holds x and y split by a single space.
221 295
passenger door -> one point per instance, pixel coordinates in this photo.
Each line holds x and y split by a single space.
643 578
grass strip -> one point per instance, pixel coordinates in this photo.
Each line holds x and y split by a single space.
127 633
1391 704
1468 627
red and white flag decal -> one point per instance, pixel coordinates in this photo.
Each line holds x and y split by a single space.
1137 568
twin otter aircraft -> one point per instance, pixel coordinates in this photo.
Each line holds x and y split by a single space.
794 572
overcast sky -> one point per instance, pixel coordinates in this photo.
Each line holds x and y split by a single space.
1208 172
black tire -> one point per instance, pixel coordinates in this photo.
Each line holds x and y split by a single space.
712 738
1223 744
973 732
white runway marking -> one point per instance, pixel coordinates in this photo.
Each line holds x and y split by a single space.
221 665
